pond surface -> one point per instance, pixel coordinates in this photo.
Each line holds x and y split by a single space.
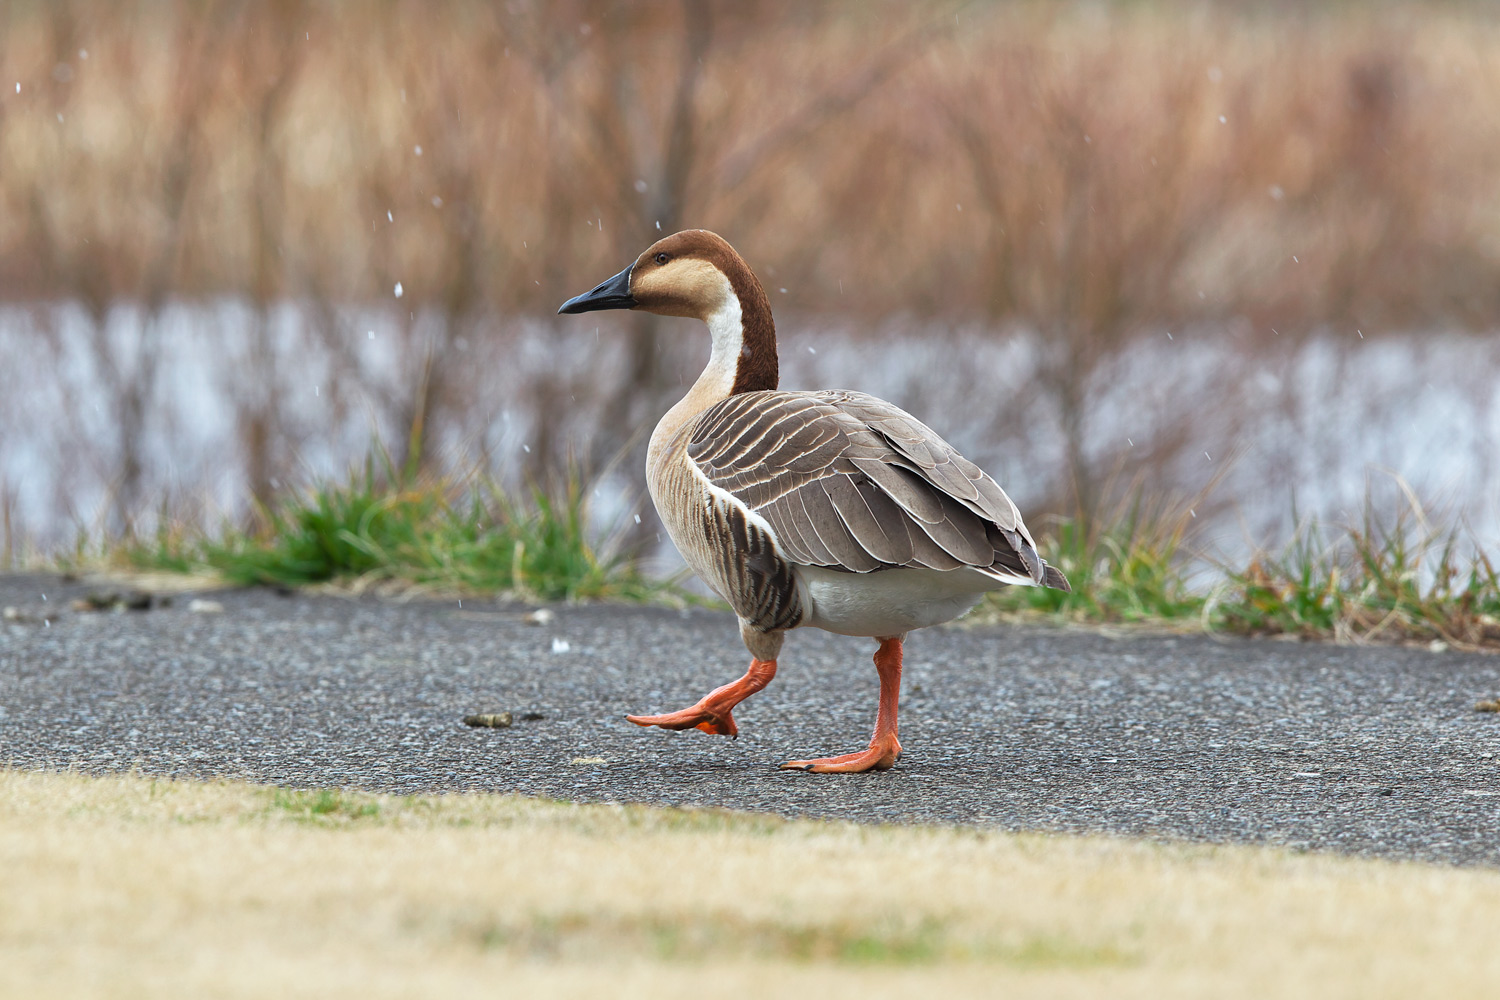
1324 422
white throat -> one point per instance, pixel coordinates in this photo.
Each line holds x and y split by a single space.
727 328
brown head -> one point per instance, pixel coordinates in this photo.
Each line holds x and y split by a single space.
696 274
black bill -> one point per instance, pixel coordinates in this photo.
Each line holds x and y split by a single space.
611 294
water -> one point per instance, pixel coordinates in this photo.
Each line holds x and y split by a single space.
1329 420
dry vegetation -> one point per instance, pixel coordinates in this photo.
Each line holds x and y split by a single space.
1068 175
134 887
247 148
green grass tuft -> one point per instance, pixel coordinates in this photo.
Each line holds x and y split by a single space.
1125 566
471 537
1399 579
1394 577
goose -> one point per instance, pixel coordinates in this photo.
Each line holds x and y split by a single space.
831 509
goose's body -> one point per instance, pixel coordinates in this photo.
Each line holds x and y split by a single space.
830 509
831 514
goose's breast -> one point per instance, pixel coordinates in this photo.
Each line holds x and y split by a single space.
887 602
728 547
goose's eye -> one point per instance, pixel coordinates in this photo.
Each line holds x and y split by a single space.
662 258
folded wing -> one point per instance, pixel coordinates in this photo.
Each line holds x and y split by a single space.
850 482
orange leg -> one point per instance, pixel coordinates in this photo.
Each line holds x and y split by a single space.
884 747
712 713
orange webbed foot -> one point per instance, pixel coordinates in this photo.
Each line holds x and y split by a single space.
697 717
885 749
713 713
880 757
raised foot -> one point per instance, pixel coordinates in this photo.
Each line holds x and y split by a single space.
697 717
877 758
712 714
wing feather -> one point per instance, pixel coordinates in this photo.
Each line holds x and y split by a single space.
831 530
852 482
873 518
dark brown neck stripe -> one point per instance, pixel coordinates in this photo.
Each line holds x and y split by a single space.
758 367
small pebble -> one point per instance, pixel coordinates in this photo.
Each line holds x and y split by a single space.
489 720
109 600
96 602
541 616
201 606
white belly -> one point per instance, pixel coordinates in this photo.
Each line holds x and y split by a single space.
888 602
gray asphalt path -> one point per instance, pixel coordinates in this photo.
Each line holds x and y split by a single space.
1374 751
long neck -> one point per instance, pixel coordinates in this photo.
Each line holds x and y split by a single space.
743 357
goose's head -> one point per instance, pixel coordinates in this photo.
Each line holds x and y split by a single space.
693 273
697 274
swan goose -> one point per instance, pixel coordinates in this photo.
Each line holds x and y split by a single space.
830 509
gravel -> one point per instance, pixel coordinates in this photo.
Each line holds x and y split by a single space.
1371 751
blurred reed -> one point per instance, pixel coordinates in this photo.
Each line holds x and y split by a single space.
1074 174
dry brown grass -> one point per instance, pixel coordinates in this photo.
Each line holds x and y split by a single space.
132 887
1037 162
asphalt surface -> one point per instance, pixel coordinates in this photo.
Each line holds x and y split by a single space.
1373 751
